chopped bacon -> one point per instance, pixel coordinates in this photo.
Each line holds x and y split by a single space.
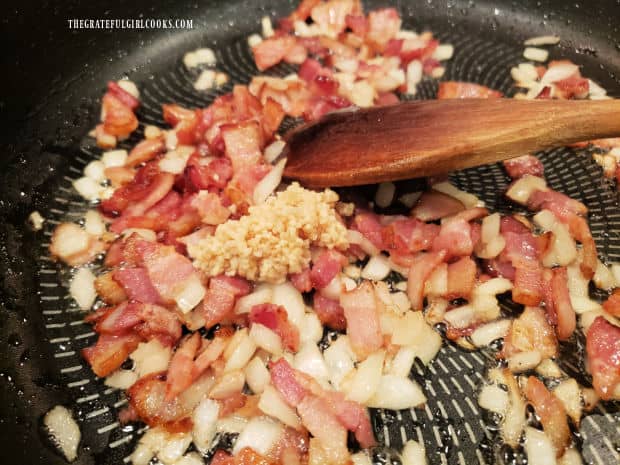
219 301
301 280
453 89
531 332
125 97
144 151
560 305
496 267
147 188
109 290
352 415
551 412
272 51
358 24
461 278
119 175
109 353
454 238
603 352
326 266
137 285
325 427
421 268
243 144
209 207
386 98
331 15
180 369
435 205
526 164
383 25
148 398
361 313
573 87
329 311
210 354
119 120
612 304
369 225
273 114
561 205
284 380
215 173
275 318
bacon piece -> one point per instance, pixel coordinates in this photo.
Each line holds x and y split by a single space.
362 316
284 380
272 117
144 151
383 25
147 188
501 268
358 24
325 268
560 205
119 120
185 123
109 353
531 332
109 290
301 280
272 51
325 427
209 207
603 352
454 89
421 268
137 285
219 301
573 87
180 370
352 415
243 144
329 312
526 164
561 304
125 97
461 278
119 175
216 173
210 354
551 412
275 318
435 205
159 323
454 238
612 304
331 15
148 398
369 225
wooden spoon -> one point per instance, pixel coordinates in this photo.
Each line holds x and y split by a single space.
425 138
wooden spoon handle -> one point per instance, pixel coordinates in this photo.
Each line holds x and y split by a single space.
424 138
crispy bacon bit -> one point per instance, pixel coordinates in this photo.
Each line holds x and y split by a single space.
329 311
603 352
612 304
137 285
369 225
326 266
461 278
109 353
435 205
531 332
109 290
180 371
551 412
302 280
360 311
125 97
421 268
275 318
383 25
454 238
561 304
272 51
119 120
144 151
284 380
527 164
219 301
453 89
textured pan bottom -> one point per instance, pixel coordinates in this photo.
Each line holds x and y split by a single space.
451 426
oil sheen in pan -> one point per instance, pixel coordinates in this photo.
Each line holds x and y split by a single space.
451 425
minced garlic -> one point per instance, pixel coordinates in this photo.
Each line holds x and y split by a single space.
274 239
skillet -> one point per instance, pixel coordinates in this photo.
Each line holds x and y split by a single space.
52 80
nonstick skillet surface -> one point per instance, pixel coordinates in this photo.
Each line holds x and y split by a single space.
52 80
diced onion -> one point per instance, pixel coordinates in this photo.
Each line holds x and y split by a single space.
356 237
549 369
409 199
93 223
121 379
396 393
485 334
190 294
260 434
271 403
524 361
603 277
205 421
254 40
569 393
467 199
377 268
175 160
206 80
82 288
535 54
266 339
173 447
291 299
36 220
242 353
269 183
192 458
113 158
87 188
129 87
542 40
493 398
525 186
94 170
402 362
414 76
443 52
361 458
413 453
559 73
256 375
333 288
151 357
538 447
309 360
262 294
64 431
339 359
230 383
313 329
273 150
366 380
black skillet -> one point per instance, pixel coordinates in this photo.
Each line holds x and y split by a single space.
52 78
